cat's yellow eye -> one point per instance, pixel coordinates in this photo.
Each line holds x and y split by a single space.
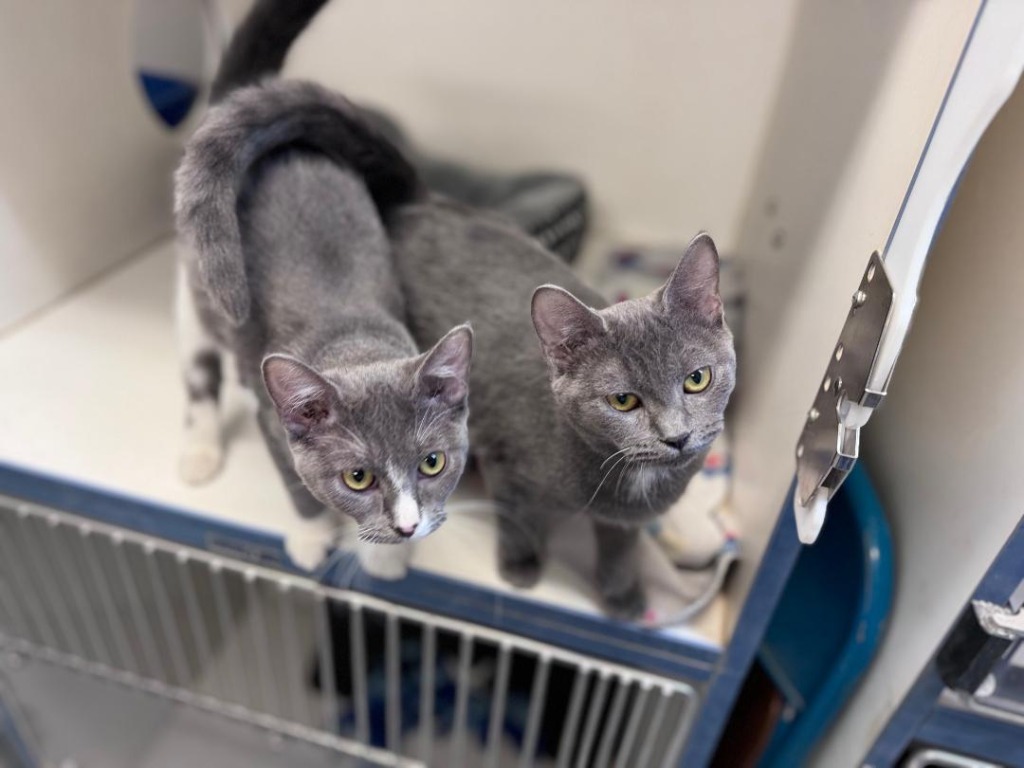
623 401
433 463
358 479
697 381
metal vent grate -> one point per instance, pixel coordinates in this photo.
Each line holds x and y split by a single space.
381 682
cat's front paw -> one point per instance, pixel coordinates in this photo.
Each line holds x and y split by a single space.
385 561
307 552
522 572
200 462
627 605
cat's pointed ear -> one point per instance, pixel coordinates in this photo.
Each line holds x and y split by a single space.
304 399
693 288
444 372
563 323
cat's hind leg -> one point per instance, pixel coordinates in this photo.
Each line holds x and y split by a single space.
202 452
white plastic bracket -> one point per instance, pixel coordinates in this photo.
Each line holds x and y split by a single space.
989 68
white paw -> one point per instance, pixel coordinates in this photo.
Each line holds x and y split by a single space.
307 552
384 561
200 462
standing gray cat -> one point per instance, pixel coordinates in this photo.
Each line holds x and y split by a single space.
610 415
289 268
612 412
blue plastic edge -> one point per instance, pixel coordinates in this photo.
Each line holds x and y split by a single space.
170 97
875 603
967 733
9 731
776 566
920 716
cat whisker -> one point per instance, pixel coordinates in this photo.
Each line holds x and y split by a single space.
436 523
644 490
622 474
629 447
612 456
618 461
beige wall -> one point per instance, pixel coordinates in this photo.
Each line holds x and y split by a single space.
84 165
830 223
661 105
663 111
945 450
170 37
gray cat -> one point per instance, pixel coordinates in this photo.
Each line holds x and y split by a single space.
609 415
289 267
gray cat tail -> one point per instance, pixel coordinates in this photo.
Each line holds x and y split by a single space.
252 123
260 44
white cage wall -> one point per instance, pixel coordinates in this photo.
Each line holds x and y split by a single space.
84 186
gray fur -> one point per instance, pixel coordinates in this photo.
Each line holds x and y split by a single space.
289 268
548 443
234 137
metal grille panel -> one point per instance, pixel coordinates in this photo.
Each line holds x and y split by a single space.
387 684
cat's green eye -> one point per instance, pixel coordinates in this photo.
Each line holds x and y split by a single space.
623 401
697 381
433 463
358 479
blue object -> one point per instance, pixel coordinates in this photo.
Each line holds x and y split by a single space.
171 97
829 620
13 744
924 719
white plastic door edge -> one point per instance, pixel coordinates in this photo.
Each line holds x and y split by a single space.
883 306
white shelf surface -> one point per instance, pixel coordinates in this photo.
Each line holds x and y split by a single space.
92 393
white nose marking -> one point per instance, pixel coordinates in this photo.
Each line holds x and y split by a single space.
407 514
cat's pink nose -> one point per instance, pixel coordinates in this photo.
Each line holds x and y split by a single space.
406 530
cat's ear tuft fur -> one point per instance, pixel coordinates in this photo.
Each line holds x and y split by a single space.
444 372
304 399
563 324
693 287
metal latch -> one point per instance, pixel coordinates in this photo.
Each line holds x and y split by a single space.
830 441
978 639
999 621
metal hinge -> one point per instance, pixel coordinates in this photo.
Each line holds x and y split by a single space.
999 621
830 441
